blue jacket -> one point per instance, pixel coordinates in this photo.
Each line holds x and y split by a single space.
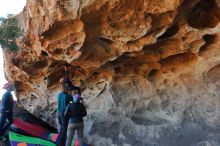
7 102
63 99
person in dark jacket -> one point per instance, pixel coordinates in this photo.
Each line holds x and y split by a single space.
63 99
74 113
69 83
7 108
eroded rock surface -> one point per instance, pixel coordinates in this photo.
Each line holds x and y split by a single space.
149 69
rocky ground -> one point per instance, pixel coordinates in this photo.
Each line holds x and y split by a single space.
149 69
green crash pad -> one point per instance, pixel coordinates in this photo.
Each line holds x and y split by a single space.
16 139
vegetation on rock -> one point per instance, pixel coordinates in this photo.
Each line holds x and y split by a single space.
9 32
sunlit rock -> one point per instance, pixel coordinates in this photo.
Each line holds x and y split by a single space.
148 69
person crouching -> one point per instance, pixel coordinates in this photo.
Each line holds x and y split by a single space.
7 108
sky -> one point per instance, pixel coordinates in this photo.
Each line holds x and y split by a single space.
11 7
8 7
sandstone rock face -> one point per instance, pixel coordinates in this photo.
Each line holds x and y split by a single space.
149 69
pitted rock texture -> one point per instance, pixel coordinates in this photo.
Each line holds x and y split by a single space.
149 69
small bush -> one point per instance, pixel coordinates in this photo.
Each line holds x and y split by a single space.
9 31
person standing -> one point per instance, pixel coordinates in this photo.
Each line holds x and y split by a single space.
74 113
7 108
63 99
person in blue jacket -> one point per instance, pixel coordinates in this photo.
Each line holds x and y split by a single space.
63 99
7 108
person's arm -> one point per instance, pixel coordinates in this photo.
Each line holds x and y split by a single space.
3 101
66 73
66 78
67 111
58 101
12 102
6 100
70 98
78 89
66 115
69 83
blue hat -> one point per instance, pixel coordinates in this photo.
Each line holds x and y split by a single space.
76 98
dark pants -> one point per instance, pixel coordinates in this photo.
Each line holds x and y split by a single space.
61 140
60 116
4 125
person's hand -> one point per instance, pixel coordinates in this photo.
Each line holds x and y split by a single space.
65 68
62 81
